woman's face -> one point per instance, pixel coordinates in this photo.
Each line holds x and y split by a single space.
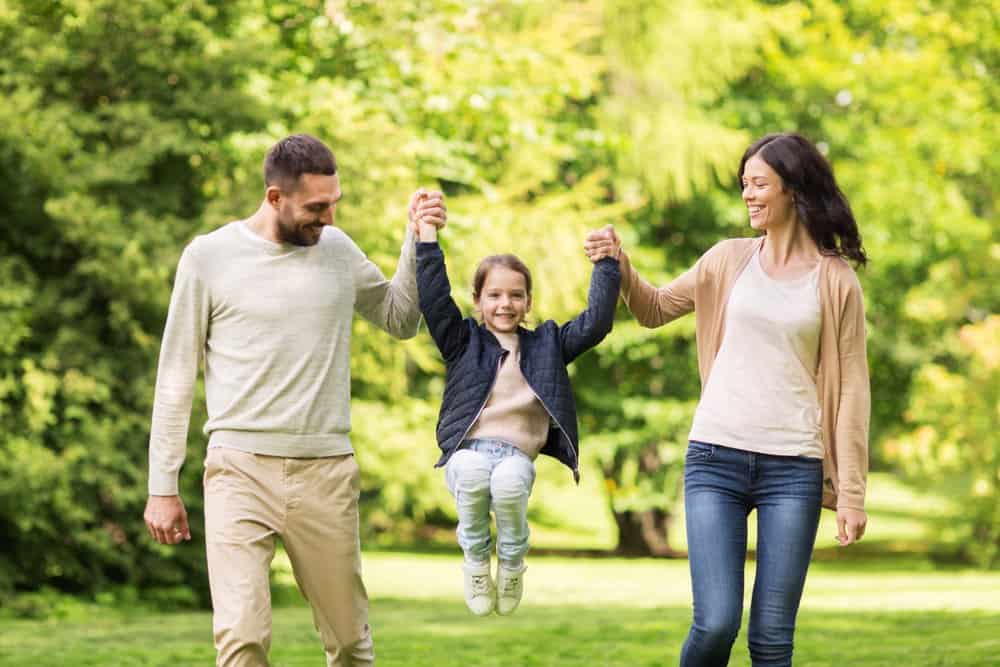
769 203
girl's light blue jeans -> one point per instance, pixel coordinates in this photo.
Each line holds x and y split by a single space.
490 474
721 487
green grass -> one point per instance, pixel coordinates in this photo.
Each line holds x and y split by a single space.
882 602
578 611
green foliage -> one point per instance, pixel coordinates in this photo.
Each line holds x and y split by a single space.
110 149
900 100
128 128
953 443
899 97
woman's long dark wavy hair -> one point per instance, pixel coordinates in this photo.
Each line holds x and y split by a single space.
819 203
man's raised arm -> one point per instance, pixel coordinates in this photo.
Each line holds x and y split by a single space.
392 305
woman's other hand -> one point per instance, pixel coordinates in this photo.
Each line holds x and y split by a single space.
850 525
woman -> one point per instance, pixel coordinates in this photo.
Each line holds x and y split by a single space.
782 423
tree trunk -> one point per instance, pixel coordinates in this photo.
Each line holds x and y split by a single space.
644 533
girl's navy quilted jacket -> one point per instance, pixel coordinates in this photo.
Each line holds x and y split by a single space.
472 355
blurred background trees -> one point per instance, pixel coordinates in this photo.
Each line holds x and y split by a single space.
128 128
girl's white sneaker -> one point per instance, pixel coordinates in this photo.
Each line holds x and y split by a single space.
480 592
510 587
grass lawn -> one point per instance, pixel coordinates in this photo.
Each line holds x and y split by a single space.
883 602
594 612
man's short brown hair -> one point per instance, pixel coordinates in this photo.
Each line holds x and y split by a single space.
296 155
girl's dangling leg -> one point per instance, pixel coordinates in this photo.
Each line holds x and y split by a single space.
468 478
510 488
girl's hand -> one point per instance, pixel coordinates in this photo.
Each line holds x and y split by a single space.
850 526
602 243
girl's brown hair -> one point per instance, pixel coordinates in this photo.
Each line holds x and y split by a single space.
508 262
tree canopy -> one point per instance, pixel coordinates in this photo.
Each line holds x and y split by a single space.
128 128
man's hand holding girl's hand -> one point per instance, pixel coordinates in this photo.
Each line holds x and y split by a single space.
427 214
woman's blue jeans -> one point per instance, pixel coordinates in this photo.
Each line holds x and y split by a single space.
721 486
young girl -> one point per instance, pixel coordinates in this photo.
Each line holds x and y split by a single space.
507 398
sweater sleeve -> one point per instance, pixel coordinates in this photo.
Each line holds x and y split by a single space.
390 305
181 353
656 306
854 411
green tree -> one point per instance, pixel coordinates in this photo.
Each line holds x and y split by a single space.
903 98
128 128
485 100
900 97
111 151
674 143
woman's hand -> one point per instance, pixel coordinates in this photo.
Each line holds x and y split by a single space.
602 243
850 525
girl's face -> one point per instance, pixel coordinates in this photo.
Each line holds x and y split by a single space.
504 300
770 204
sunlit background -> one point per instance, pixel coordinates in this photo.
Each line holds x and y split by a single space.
129 126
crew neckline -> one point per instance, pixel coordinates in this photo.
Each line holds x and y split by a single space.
804 279
511 339
273 247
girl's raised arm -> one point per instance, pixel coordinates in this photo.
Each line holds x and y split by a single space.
591 326
444 319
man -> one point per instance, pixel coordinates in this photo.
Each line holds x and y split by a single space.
266 303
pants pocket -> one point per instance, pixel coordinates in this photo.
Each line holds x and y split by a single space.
699 451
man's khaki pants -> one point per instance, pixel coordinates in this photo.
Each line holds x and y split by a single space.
312 504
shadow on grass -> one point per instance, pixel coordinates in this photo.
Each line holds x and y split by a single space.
893 555
442 633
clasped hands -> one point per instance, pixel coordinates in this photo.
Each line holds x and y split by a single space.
602 243
427 214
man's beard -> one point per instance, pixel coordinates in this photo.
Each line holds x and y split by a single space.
300 235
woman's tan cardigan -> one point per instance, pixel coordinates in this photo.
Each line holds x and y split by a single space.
843 365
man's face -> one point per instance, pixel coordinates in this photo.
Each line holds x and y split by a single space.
311 205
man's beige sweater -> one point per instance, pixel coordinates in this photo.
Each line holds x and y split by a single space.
272 324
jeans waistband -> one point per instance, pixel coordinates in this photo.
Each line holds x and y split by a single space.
492 446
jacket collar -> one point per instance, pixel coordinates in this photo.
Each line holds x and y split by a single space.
522 335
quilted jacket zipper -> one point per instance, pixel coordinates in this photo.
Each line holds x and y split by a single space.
503 355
